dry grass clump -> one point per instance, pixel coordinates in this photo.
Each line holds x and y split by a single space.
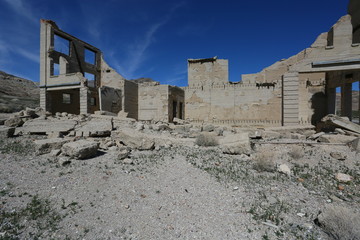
296 152
340 223
264 162
206 140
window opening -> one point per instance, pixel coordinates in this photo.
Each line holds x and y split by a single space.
56 69
91 79
61 44
93 101
66 98
90 56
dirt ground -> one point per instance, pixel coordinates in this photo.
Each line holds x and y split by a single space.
179 191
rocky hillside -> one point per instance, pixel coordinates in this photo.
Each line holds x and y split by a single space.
17 93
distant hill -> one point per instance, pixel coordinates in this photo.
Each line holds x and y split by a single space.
17 93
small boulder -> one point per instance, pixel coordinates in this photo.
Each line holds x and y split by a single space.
355 145
338 155
344 178
81 149
236 144
283 168
44 146
123 153
14 122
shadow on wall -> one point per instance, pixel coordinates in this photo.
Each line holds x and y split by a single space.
318 104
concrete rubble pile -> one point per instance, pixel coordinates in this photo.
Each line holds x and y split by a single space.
86 135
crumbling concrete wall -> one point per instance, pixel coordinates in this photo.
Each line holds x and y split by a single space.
160 103
234 104
207 71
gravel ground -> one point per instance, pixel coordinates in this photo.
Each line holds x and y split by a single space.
175 193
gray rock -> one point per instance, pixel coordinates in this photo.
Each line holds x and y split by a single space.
55 152
208 128
342 177
135 142
316 135
38 126
14 122
236 144
123 153
128 161
338 155
44 146
63 160
355 145
335 138
6 132
283 168
80 149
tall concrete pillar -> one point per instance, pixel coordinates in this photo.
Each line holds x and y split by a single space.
43 99
290 98
84 103
346 100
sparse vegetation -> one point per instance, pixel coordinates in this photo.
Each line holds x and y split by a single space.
16 146
206 140
37 220
264 161
296 152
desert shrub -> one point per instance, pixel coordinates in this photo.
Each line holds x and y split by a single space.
296 152
206 140
264 162
340 223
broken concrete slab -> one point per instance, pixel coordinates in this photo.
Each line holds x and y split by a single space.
339 122
140 142
96 127
44 146
355 145
38 126
236 144
335 138
81 149
6 132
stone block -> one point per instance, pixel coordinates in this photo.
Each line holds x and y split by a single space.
236 144
41 126
139 142
81 149
44 146
335 138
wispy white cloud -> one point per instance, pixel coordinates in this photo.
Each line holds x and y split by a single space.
29 55
137 51
24 10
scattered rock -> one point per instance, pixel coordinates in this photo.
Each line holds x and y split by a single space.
316 135
44 146
80 149
283 168
14 122
55 152
338 155
335 138
128 161
355 145
236 144
63 160
38 126
123 153
139 142
344 178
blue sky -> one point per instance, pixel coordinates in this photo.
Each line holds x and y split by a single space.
154 38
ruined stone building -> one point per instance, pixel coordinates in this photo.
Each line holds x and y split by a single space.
297 90
74 78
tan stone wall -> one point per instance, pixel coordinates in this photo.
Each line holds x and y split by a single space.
207 72
234 103
153 103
